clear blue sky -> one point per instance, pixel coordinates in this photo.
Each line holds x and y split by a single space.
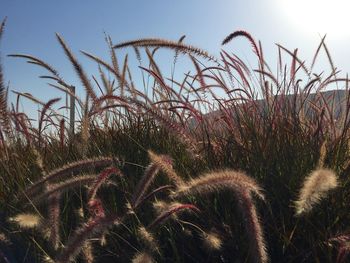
31 28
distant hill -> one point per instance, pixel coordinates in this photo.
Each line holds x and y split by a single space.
336 101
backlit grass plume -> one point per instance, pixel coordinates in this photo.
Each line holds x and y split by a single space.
315 187
101 179
258 250
65 186
26 220
156 42
5 123
148 239
242 186
164 163
142 257
176 208
144 183
78 68
211 241
225 179
67 170
78 240
54 219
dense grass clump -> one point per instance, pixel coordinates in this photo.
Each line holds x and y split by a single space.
228 164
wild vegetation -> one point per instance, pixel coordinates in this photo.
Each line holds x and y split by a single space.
228 164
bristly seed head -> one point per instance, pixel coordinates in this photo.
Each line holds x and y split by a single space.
314 188
26 220
160 206
148 238
211 241
142 257
165 164
225 179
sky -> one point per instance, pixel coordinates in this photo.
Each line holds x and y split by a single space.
31 28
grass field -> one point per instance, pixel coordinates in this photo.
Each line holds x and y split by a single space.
228 164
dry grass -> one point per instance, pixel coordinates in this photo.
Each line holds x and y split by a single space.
218 180
26 220
315 187
212 241
142 257
221 121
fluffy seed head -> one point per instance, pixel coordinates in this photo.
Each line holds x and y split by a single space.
88 252
103 240
226 179
211 241
242 186
146 180
323 153
26 220
165 164
39 159
47 259
80 212
142 257
148 238
314 188
252 224
160 206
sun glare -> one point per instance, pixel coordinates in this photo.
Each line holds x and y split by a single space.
329 17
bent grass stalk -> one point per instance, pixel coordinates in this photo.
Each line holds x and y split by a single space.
172 210
315 187
214 181
67 170
165 164
77 241
64 186
143 184
242 186
54 219
101 179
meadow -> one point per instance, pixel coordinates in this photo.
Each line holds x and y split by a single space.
230 163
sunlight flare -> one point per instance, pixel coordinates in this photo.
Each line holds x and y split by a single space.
318 16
